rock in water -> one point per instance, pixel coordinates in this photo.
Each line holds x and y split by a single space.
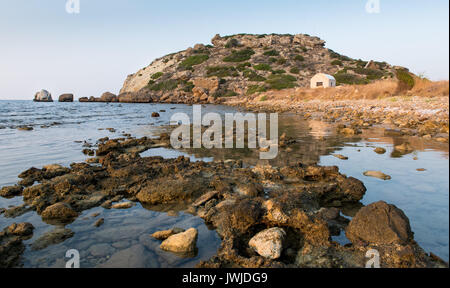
163 235
66 98
182 242
43 96
21 229
377 174
379 223
108 97
60 212
380 150
53 237
269 243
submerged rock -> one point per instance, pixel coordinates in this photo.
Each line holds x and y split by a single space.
184 242
377 174
11 191
163 235
56 236
269 243
11 243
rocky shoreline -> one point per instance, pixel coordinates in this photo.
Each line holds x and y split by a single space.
266 216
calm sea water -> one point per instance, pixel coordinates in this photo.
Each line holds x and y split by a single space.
58 128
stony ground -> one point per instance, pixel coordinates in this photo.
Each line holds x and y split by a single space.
421 116
266 216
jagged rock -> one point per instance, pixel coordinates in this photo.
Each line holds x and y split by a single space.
21 229
379 223
124 205
182 242
11 191
269 243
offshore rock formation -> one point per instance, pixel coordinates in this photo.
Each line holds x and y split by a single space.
43 96
241 65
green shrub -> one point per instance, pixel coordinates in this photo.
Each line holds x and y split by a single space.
360 63
221 71
299 58
255 89
167 85
281 71
372 74
232 43
273 59
346 78
239 55
253 76
151 82
304 49
263 98
157 75
339 56
294 70
272 53
262 67
243 66
188 86
406 80
337 63
193 60
282 81
224 93
281 61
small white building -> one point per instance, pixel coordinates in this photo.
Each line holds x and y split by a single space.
322 80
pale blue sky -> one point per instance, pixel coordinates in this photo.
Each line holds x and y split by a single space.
41 46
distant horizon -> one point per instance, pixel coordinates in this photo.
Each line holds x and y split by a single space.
92 52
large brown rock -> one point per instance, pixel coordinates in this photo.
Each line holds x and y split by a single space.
379 223
59 211
108 97
66 98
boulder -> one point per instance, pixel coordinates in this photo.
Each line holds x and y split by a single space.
43 96
59 211
84 99
66 98
108 97
269 243
182 242
379 223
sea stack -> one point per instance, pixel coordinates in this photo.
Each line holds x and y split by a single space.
66 98
43 96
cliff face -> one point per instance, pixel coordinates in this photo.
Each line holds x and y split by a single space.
244 64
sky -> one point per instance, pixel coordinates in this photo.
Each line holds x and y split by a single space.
90 52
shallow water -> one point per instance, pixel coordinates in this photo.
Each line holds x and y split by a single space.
422 195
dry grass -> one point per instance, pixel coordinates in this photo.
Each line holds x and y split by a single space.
377 90
427 88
